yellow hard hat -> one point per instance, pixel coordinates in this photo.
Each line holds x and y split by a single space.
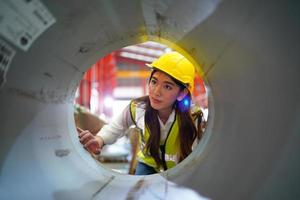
177 66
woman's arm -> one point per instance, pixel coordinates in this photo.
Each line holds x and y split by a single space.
117 128
108 134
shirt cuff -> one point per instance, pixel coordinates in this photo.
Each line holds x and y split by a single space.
106 137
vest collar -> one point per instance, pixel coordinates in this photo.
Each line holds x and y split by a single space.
169 121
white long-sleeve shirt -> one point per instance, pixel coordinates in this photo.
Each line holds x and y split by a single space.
120 124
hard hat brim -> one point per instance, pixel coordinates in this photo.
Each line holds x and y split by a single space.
155 68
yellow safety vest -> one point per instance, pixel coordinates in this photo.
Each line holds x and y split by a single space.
169 148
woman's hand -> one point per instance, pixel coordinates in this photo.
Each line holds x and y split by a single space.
90 142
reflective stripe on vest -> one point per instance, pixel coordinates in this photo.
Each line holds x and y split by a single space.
170 146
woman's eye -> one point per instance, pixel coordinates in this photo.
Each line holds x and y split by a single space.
168 87
153 82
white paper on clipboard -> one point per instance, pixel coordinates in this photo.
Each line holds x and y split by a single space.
22 21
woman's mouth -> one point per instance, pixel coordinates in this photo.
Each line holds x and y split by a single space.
156 101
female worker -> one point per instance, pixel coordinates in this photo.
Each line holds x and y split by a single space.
168 129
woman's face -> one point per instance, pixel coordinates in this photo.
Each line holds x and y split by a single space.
163 91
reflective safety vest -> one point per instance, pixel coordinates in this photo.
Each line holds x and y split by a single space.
169 148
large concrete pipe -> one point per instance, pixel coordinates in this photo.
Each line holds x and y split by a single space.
249 51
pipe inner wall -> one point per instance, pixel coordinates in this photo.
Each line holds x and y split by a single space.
249 54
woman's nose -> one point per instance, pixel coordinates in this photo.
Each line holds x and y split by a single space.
157 90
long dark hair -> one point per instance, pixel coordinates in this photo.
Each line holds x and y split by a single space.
187 129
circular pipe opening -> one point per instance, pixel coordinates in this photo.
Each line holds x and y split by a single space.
103 77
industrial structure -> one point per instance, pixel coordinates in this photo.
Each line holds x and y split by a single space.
248 53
